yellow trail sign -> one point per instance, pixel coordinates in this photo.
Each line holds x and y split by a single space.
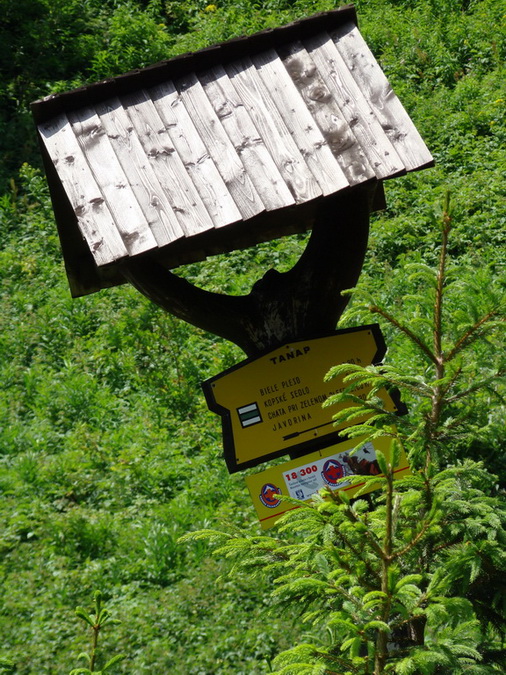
272 405
303 477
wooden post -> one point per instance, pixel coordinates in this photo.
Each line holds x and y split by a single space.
304 302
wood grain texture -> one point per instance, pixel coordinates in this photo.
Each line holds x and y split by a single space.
327 114
300 123
141 177
273 130
389 111
93 216
247 142
195 156
220 147
114 185
354 106
178 188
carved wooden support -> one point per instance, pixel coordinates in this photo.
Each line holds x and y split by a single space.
304 302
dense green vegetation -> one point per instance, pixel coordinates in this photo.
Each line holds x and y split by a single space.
408 579
107 451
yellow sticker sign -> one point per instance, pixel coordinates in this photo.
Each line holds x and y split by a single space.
272 405
303 477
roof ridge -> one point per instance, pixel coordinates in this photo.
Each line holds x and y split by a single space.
246 45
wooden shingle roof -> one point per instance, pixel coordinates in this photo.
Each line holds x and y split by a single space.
221 148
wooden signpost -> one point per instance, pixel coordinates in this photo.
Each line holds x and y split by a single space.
288 130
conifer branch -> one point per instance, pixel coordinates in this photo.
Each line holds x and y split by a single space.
437 397
413 542
446 388
477 386
352 516
440 282
381 654
472 334
404 329
342 662
358 554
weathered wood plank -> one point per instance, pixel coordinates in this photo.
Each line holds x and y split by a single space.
357 112
109 176
248 144
390 112
220 147
273 130
93 217
195 156
141 177
179 190
327 114
300 123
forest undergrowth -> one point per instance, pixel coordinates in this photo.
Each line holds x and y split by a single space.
108 454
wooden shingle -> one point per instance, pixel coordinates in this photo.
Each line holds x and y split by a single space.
219 149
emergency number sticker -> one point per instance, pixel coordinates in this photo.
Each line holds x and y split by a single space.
304 481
